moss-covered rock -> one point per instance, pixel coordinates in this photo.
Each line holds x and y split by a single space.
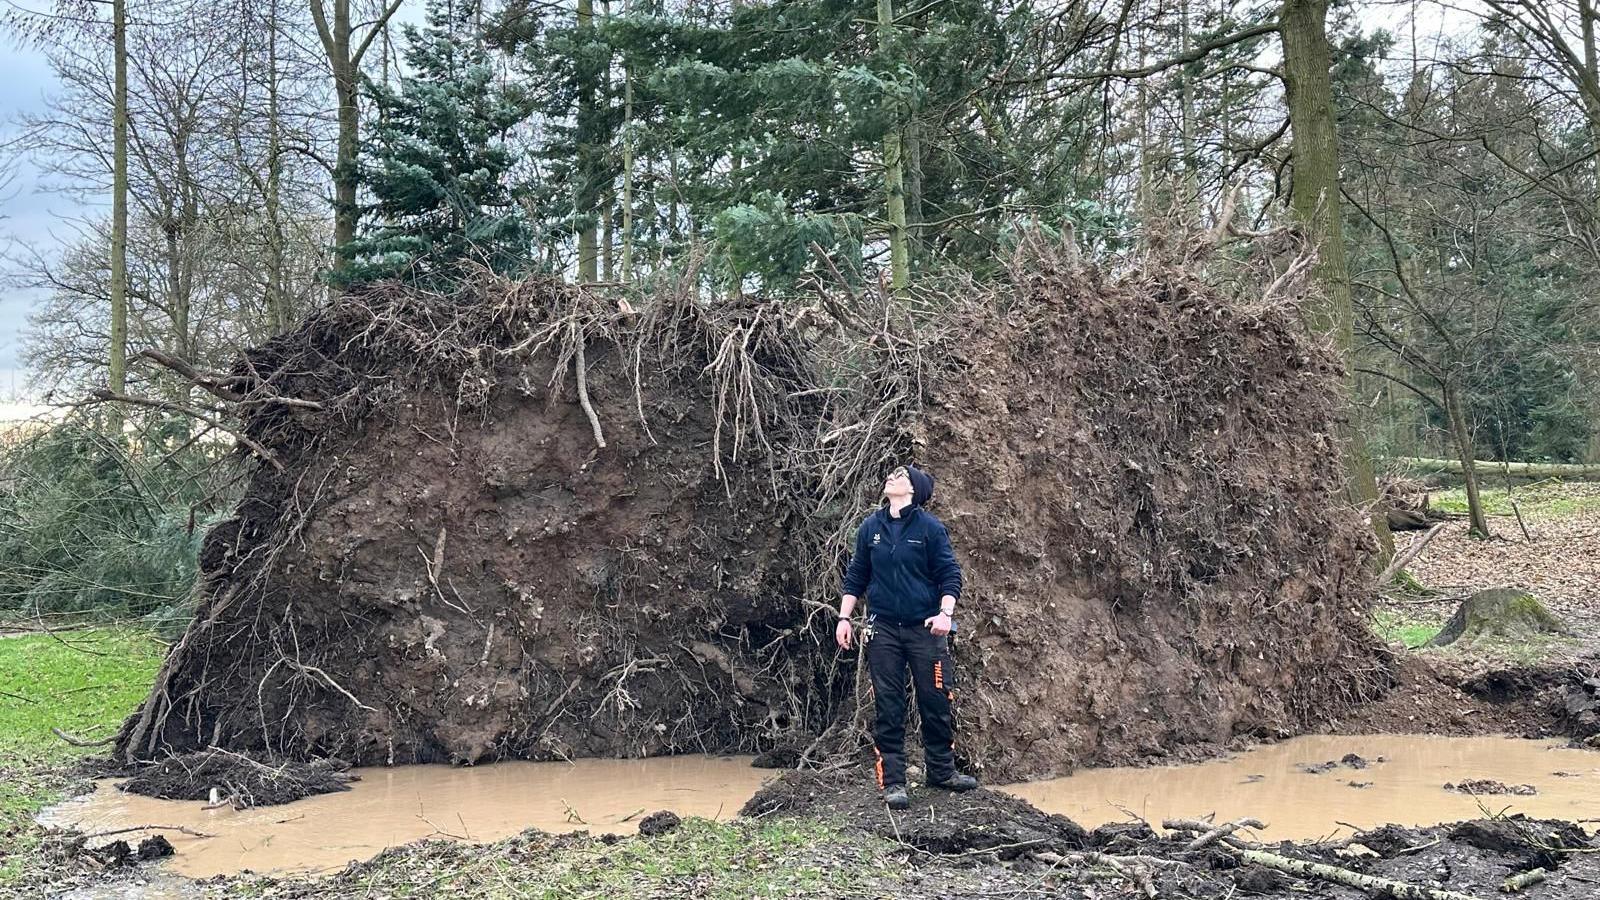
1510 613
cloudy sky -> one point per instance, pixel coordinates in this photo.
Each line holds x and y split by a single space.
30 214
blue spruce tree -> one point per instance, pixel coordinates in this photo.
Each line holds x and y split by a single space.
436 163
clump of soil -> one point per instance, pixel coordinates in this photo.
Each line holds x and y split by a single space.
1490 786
937 822
1509 613
659 823
521 520
238 779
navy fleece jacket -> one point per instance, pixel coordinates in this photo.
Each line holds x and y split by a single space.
903 566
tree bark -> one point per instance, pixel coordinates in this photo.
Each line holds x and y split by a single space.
344 61
278 306
1314 197
117 357
1478 522
586 188
894 168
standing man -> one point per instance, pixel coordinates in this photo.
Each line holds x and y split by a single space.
904 564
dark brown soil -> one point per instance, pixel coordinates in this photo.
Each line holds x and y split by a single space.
937 822
1437 695
1139 475
239 779
984 827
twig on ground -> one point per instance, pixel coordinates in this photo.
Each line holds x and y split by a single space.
1399 563
80 742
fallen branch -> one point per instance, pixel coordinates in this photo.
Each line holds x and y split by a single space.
1399 563
1221 831
1523 880
263 453
1126 868
1399 890
1203 828
80 742
178 828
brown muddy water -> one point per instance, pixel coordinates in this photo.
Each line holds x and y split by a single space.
388 807
1269 783
394 806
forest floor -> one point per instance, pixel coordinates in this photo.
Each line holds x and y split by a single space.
1554 553
828 836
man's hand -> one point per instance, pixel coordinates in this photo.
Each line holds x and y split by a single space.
939 625
842 634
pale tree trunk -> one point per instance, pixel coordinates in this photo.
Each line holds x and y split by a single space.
894 169
117 361
1314 196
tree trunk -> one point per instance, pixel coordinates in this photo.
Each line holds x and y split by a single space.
117 359
279 314
346 174
627 168
1478 522
586 193
1314 197
894 168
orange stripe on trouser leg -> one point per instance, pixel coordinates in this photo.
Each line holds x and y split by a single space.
878 767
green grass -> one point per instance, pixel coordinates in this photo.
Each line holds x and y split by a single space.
1550 499
83 682
1395 626
719 861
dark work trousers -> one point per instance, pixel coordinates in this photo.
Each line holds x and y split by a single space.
892 649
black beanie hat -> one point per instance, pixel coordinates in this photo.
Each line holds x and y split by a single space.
921 485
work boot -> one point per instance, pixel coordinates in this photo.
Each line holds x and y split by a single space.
895 796
957 782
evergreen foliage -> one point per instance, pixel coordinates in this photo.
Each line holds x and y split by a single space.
437 161
88 526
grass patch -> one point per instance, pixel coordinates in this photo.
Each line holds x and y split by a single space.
83 682
719 861
1392 626
1544 500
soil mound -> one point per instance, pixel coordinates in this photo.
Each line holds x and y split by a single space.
937 822
523 520
238 779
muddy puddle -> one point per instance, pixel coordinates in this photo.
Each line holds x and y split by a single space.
1290 787
388 807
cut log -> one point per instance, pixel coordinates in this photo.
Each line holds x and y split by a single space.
1500 612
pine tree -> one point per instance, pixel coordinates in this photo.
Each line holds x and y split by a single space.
437 162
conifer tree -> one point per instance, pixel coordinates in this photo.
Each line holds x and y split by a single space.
437 161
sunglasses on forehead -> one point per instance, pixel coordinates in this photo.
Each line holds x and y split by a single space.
897 472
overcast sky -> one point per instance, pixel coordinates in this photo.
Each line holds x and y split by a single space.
28 212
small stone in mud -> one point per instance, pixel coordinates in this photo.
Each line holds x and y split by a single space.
1359 784
659 823
1354 761
1566 774
1252 779
1489 786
